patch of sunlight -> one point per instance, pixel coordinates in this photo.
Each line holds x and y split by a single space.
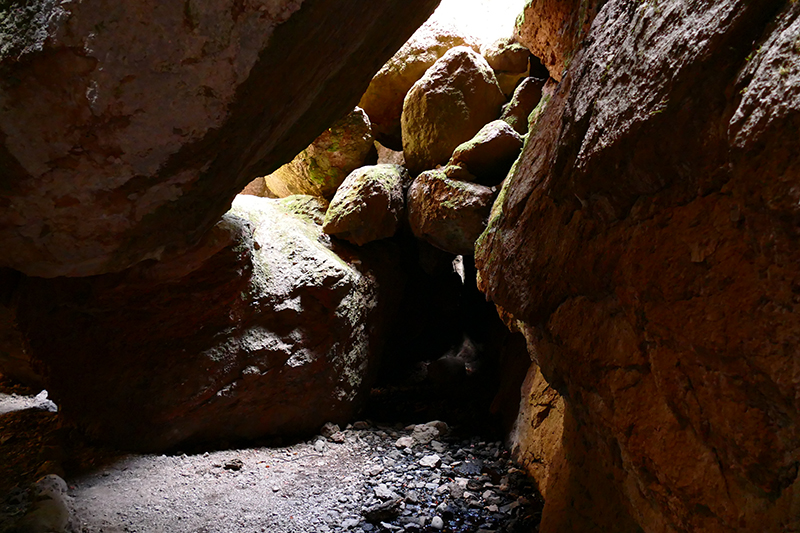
488 20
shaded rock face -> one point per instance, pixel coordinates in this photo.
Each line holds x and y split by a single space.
447 213
369 204
128 128
489 155
262 329
647 244
15 361
526 97
322 167
457 96
383 100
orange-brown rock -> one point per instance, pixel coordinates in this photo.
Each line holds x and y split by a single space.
647 242
553 29
128 127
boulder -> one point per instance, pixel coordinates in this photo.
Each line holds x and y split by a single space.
128 127
647 242
383 100
526 97
489 155
506 55
261 330
369 204
322 167
447 106
553 29
448 214
510 62
257 187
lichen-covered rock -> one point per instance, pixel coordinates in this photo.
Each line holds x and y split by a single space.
261 330
383 100
369 204
506 55
489 155
447 106
448 214
128 127
322 167
648 243
552 30
526 97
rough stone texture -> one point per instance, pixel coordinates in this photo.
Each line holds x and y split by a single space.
505 55
369 204
128 127
553 29
526 97
455 98
489 155
383 100
447 213
648 243
257 187
262 329
322 167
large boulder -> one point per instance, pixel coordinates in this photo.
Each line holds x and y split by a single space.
261 330
383 100
369 204
128 127
489 155
447 106
322 167
509 60
647 244
447 213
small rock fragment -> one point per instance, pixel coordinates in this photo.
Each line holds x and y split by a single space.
431 461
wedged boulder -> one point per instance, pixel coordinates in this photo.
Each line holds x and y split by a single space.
447 106
369 204
648 243
383 100
553 29
510 62
257 187
526 97
489 155
128 127
261 330
322 167
448 214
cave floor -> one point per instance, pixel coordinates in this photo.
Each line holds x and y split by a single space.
364 483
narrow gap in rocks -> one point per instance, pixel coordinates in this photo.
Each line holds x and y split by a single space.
426 452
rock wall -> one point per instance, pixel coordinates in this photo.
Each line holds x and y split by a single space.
128 127
647 245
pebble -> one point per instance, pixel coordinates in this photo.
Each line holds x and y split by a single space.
437 522
431 461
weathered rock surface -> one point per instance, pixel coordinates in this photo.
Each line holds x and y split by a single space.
383 100
489 155
526 97
647 244
322 167
447 213
257 187
553 29
369 204
128 127
510 62
455 98
15 362
263 329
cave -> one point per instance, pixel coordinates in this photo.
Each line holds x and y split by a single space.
305 265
